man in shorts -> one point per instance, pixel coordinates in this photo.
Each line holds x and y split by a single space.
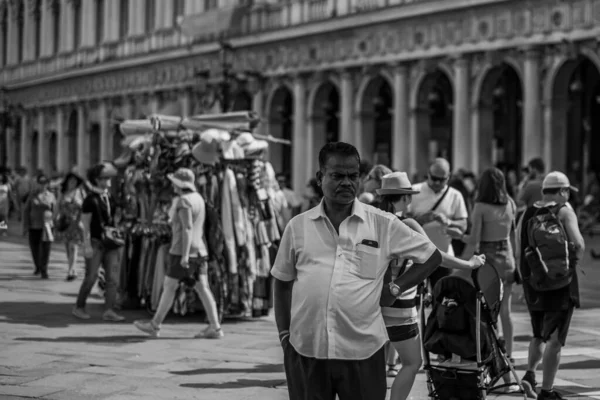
550 311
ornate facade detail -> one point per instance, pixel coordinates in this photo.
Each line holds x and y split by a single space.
33 7
53 5
15 8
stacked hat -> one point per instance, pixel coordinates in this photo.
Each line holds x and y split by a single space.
207 151
251 146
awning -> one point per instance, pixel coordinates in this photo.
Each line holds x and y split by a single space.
213 22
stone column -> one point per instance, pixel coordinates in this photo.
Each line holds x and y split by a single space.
299 162
2 60
62 144
66 22
82 137
28 32
9 142
26 144
185 98
532 110
461 141
164 14
88 22
47 29
43 151
347 133
136 17
12 51
400 130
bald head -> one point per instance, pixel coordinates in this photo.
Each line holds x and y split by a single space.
440 167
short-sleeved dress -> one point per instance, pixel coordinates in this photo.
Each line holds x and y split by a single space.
70 205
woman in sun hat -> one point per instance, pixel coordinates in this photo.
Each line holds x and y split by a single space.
401 317
187 256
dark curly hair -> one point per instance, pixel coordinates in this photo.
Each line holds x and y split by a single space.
492 187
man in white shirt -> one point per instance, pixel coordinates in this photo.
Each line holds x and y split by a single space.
438 207
329 275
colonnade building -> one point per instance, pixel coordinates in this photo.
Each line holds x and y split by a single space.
480 82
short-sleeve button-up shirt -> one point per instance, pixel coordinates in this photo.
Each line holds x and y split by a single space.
338 279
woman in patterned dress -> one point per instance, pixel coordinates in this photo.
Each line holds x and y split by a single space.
69 218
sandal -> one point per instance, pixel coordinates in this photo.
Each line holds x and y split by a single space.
71 277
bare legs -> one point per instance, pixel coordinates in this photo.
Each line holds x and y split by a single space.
208 301
409 352
72 249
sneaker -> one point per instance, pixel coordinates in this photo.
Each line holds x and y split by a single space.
80 313
549 395
110 315
392 372
210 333
529 384
147 327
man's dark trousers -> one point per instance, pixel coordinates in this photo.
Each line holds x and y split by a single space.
315 379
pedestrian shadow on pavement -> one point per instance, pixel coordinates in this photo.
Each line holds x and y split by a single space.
124 339
52 315
239 384
257 369
583 364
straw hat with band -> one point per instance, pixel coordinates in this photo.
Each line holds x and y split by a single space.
396 183
557 180
183 178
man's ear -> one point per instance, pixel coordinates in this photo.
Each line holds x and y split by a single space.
319 176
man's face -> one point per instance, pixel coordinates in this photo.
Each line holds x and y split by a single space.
340 179
103 183
437 178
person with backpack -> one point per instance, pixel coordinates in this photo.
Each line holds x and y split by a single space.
549 250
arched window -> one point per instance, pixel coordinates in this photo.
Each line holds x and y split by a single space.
99 21
37 26
56 26
77 33
123 18
178 11
4 26
150 15
20 31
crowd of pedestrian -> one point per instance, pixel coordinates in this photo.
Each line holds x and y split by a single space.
347 270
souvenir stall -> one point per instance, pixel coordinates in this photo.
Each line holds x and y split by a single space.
242 208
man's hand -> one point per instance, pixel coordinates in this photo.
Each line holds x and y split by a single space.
284 338
477 261
454 233
441 218
185 263
88 250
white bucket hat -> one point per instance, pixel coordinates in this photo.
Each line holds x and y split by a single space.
396 183
183 178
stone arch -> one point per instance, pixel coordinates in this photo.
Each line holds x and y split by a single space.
364 85
275 91
242 101
499 111
281 125
324 114
35 138
374 107
574 117
53 162
432 102
72 127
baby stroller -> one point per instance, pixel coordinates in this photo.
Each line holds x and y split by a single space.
462 330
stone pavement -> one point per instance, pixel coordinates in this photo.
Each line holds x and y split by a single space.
47 354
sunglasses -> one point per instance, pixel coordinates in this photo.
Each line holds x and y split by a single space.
437 178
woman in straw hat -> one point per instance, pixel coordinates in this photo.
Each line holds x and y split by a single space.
401 317
187 256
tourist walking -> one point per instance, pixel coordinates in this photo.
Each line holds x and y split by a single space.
38 212
438 207
492 233
188 257
328 274
401 317
101 242
68 223
551 247
531 188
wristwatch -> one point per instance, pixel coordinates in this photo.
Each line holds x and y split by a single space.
394 289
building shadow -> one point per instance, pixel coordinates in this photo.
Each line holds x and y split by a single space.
123 339
239 384
258 369
583 364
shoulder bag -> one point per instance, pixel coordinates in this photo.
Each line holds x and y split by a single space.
112 237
